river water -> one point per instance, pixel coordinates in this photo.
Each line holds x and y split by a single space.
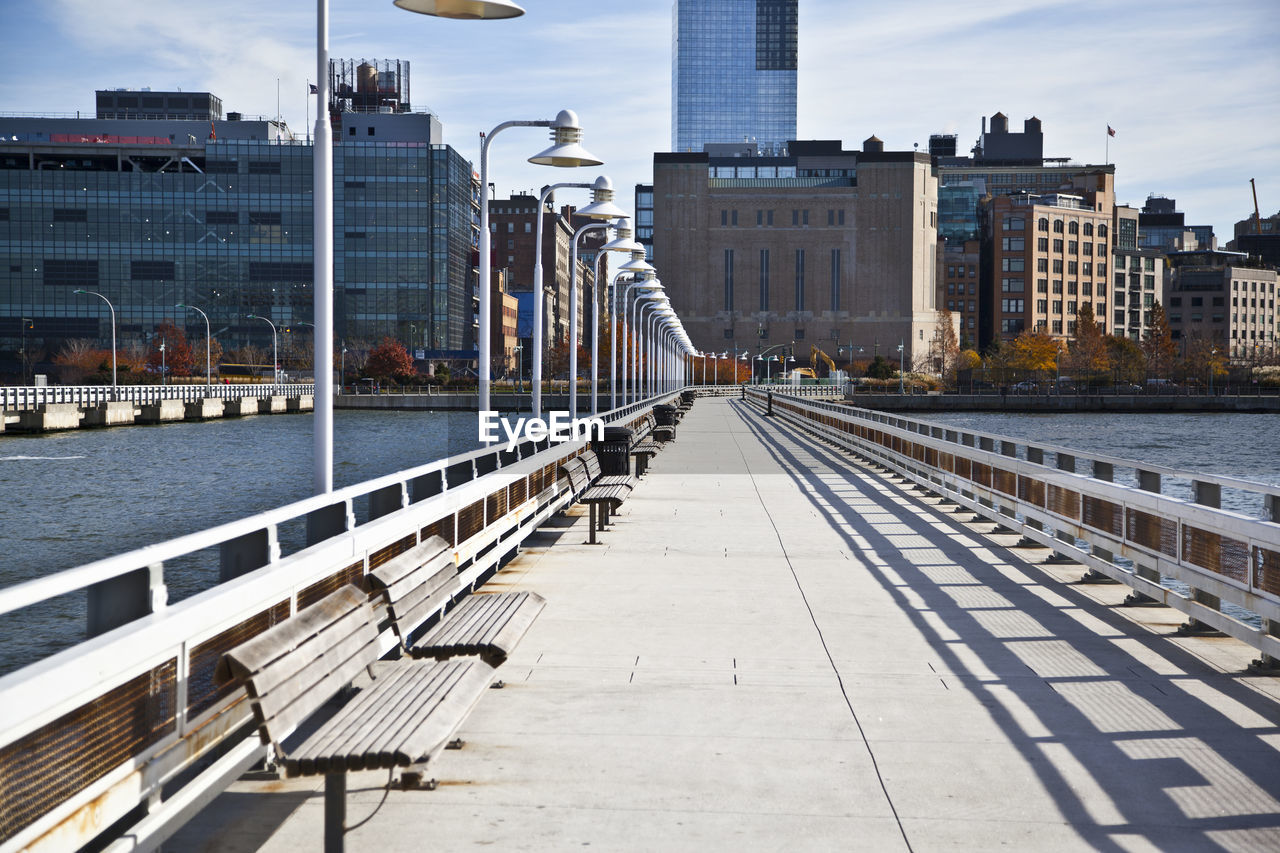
77 496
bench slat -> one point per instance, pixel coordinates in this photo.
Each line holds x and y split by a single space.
255 654
405 565
403 719
487 625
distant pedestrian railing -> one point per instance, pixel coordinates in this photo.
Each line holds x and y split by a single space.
33 396
1206 545
129 723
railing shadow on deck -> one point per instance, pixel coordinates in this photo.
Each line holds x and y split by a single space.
1137 767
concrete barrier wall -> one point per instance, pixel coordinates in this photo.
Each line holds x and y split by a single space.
241 407
50 417
109 414
200 410
162 412
304 403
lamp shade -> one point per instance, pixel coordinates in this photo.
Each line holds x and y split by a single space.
473 10
602 206
566 149
635 265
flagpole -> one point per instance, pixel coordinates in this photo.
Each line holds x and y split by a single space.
1107 143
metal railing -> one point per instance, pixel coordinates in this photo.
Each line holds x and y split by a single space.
32 396
90 733
1123 519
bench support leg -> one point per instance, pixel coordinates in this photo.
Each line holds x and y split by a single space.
335 811
591 524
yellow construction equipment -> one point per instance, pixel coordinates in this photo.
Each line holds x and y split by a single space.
816 355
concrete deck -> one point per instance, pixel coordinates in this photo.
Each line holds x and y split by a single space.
778 648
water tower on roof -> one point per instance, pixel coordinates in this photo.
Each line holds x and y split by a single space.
369 85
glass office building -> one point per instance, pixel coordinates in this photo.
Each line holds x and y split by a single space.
733 76
159 218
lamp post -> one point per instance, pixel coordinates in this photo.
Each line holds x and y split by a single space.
565 151
901 364
322 222
208 348
648 288
275 348
539 296
164 370
342 370
573 313
113 335
27 323
621 243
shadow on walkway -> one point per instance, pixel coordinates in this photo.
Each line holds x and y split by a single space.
1182 755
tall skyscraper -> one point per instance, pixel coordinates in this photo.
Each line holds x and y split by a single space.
733 72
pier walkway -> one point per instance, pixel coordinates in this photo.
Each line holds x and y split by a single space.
779 646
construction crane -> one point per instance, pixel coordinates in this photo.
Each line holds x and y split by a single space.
816 355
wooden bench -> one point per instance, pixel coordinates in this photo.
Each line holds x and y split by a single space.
600 494
416 584
643 447
404 718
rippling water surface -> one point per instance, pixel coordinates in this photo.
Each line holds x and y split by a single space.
73 497
77 496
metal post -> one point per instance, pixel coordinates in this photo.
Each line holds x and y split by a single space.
573 313
538 296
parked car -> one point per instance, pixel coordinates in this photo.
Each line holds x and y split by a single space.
1026 386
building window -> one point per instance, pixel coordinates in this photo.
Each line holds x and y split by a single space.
764 279
733 217
1057 285
1087 288
840 217
724 217
1042 264
1042 225
1057 246
1102 230
1012 264
799 279
1011 285
1057 266
1088 229
795 217
1042 285
831 217
1013 244
1057 226
835 279
1042 244
728 279
1073 248
1073 228
768 217
759 217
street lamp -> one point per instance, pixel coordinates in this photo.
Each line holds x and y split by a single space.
573 303
275 349
566 152
113 335
621 243
342 369
322 208
539 295
901 364
27 323
208 348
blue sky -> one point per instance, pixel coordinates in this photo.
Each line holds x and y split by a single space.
1192 88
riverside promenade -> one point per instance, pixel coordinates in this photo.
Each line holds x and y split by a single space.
777 646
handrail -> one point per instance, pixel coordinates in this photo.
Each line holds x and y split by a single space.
30 396
78 708
1223 557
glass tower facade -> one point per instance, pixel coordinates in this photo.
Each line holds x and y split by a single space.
733 76
229 230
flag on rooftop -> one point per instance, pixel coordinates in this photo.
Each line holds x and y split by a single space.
1110 132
